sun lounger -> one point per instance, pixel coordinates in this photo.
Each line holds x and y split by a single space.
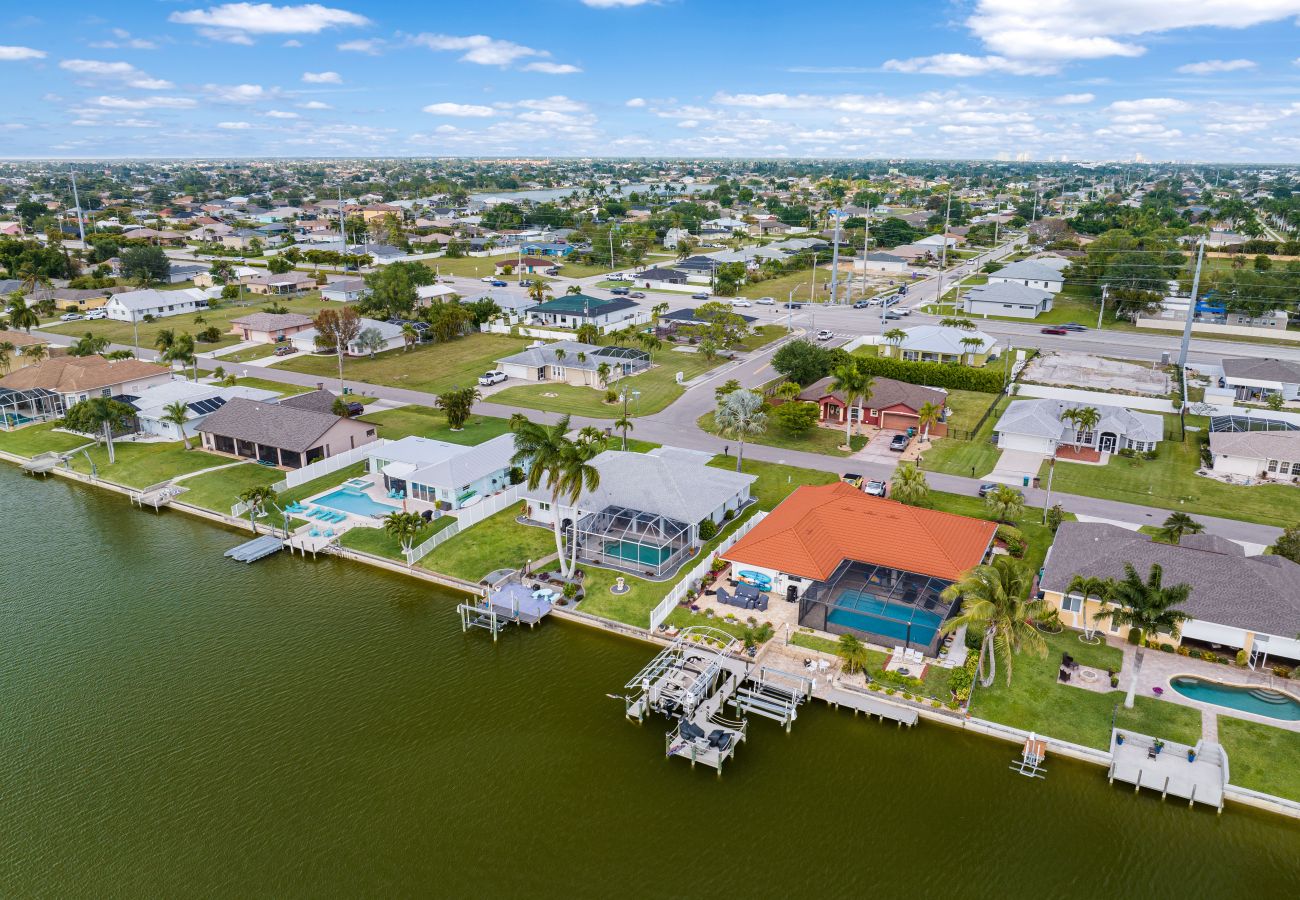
691 731
315 532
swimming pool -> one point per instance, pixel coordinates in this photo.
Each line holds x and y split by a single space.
637 553
1260 701
867 612
351 500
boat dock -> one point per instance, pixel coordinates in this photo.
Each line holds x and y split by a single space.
156 495
42 464
510 604
860 701
258 548
1196 774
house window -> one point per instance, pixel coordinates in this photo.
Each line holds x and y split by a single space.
1083 437
544 507
1072 603
557 371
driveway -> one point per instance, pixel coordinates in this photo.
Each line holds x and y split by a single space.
1016 465
877 449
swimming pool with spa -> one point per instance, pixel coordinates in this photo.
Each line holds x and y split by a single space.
900 621
1243 698
351 500
637 553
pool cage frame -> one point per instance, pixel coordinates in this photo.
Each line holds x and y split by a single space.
625 525
896 587
41 404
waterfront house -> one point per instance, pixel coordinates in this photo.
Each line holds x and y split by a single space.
1237 602
45 390
200 400
863 565
1256 379
1043 273
572 362
1039 426
1007 298
133 306
269 328
281 435
1257 454
935 343
449 476
645 514
892 405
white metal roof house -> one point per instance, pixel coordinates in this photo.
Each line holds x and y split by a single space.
391 334
1007 298
200 399
133 306
936 343
572 362
1037 426
345 290
450 476
1044 273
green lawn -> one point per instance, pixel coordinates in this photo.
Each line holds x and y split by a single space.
1170 482
468 266
424 421
263 384
828 441
976 457
121 332
815 642
1038 536
37 439
761 337
775 481
967 407
142 465
261 351
380 543
615 442
1035 701
433 368
220 490
781 286
498 542
658 387
1261 757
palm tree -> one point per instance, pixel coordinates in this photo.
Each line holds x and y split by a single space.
257 498
1177 525
928 415
963 324
458 404
854 654
786 390
972 345
1147 606
1005 503
1088 588
1084 419
21 315
88 345
602 373
994 600
649 343
740 415
96 414
573 289
404 526
894 337
855 383
551 456
908 485
7 350
36 352
178 414
625 425
588 333
181 350
539 291
164 340
409 335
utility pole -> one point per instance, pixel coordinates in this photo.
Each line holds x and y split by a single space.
1101 315
812 288
1051 470
76 201
835 257
1191 311
943 251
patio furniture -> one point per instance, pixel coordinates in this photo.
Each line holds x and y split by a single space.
1064 674
1068 661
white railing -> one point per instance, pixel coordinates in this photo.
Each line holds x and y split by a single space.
666 605
472 515
320 467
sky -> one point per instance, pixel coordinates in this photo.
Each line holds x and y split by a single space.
1186 80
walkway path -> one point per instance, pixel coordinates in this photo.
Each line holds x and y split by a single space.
230 465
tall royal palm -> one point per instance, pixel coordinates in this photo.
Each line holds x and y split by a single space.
994 600
855 383
1149 607
740 415
552 458
21 315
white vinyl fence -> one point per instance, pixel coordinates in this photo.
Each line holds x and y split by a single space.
666 605
296 477
472 515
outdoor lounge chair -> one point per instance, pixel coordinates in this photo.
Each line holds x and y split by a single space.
691 731
1068 661
315 532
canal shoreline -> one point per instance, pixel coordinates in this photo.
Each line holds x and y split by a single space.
1244 796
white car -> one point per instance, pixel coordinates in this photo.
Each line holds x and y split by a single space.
488 279
825 335
97 314
742 302
487 379
766 301
71 317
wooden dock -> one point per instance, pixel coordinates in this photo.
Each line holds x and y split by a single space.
1165 766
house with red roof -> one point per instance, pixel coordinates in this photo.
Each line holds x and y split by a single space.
863 565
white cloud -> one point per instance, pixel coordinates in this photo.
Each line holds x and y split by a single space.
12 126
237 93
962 65
110 102
236 21
1148 106
556 103
1211 66
467 110
11 54
550 68
235 126
369 46
314 104
136 123
281 114
479 48
322 78
117 71
292 42
122 40
1074 99
636 102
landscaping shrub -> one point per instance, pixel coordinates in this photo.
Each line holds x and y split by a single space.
1014 538
962 680
1114 681
1135 636
1281 672
708 530
1166 648
1241 657
943 375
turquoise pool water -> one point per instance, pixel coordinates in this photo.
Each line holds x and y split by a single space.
867 612
350 500
1260 701
637 553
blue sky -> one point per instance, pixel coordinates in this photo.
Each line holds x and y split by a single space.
1036 79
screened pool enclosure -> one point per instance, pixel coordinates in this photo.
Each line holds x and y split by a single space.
886 606
640 542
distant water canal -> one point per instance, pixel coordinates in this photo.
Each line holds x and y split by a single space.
174 724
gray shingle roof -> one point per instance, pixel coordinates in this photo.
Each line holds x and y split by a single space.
264 321
1257 444
1257 593
1029 270
1267 369
319 400
545 356
271 424
1042 418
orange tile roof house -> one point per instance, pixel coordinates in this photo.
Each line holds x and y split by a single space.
862 565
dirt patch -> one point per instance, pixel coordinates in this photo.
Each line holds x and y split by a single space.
1081 370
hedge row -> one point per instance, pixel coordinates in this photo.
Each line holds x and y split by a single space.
951 376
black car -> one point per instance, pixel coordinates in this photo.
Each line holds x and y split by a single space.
792 306
898 443
891 316
1074 326
355 408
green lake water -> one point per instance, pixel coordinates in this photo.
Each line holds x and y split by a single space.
176 724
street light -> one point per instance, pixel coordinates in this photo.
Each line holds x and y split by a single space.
636 395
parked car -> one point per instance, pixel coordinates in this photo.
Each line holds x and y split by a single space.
701 296
1054 330
825 335
71 317
285 350
97 314
898 443
487 379
498 283
765 301
741 302
988 488
1074 326
891 299
637 295
527 282
852 478
904 311
355 408
876 488
620 291
902 291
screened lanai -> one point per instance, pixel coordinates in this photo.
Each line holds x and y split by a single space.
630 539
880 604
18 408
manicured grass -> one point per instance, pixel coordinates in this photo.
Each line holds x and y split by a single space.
261 351
142 465
775 481
1261 757
967 406
761 337
380 543
498 542
1038 537
424 421
468 266
122 332
632 608
828 441
1170 482
33 440
781 286
973 458
1035 701
658 387
815 642
220 490
433 368
263 384
615 442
